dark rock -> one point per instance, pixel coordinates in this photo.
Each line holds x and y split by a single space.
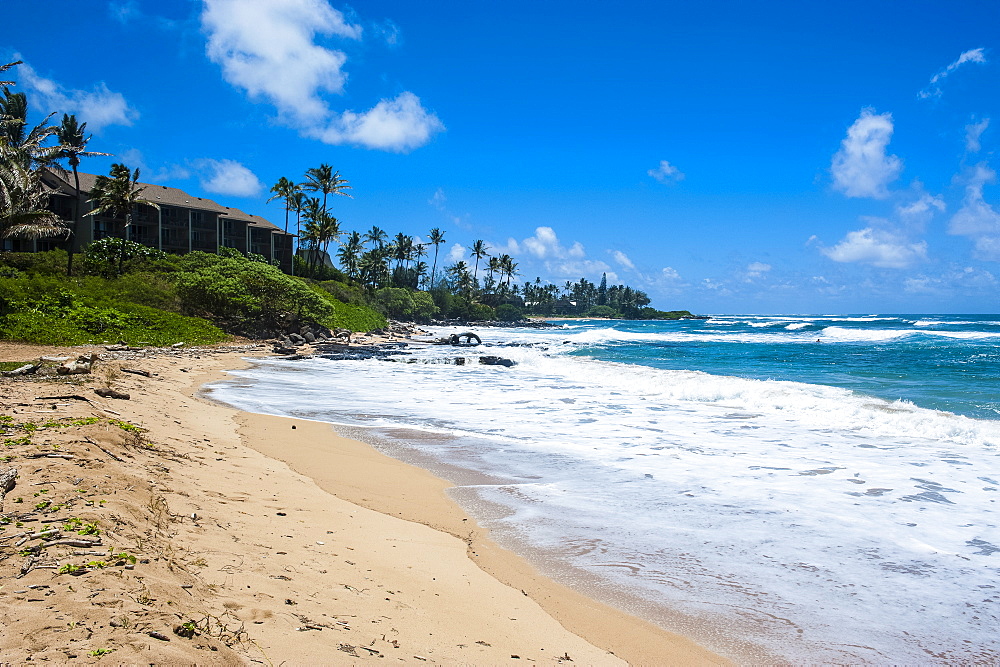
495 361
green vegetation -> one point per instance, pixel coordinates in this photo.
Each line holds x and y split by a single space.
130 292
159 299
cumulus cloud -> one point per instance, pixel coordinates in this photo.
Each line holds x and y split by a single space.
622 259
977 219
933 89
227 177
756 270
666 173
670 274
271 51
98 107
400 124
878 247
546 245
973 132
456 252
861 168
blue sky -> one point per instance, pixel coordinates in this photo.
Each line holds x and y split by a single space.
768 157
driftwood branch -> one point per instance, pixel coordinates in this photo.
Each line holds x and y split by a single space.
111 454
27 369
72 542
136 371
111 393
66 397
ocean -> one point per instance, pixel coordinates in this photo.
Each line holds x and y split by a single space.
779 488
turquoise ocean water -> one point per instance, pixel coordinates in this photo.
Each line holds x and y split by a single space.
786 488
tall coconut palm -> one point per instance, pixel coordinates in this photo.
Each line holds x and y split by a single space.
377 237
436 239
479 250
284 189
73 141
119 196
324 179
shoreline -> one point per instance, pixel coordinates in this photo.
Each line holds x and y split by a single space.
398 515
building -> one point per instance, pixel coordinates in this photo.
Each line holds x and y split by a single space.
183 223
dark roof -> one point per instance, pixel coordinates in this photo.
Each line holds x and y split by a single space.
161 194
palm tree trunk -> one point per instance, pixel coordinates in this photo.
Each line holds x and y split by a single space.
76 223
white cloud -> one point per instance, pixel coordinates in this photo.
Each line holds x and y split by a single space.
270 50
977 219
576 269
389 32
622 259
933 89
228 177
877 247
399 125
97 108
438 199
666 173
670 274
919 212
756 270
861 167
546 245
973 133
456 252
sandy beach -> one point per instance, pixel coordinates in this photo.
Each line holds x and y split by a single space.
255 539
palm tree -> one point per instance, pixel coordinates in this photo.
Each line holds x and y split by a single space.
119 196
376 237
436 239
402 248
22 200
350 254
420 270
13 130
479 250
73 146
284 189
311 212
23 154
4 68
324 179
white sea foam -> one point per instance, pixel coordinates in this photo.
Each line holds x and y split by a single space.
828 526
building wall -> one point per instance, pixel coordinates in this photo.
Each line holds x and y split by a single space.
174 229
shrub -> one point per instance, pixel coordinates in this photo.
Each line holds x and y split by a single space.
112 256
509 313
247 292
602 311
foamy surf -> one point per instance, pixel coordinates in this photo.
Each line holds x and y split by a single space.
821 522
